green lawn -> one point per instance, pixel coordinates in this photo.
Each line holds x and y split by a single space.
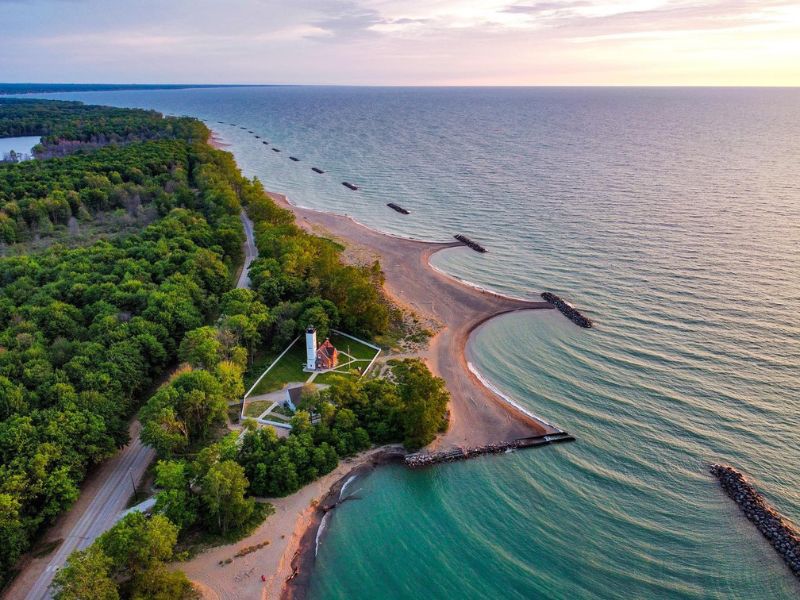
256 407
327 378
289 368
261 360
352 347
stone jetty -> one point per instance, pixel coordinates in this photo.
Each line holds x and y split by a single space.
783 536
399 209
469 243
567 310
426 459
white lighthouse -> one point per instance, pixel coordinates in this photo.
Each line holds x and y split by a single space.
311 349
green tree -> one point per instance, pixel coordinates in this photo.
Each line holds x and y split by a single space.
137 543
223 495
158 583
424 398
175 499
200 348
86 576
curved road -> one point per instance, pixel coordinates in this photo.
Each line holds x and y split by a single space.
110 488
250 251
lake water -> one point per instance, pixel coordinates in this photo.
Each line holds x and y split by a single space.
21 145
669 216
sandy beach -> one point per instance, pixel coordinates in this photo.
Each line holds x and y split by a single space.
477 415
216 141
286 530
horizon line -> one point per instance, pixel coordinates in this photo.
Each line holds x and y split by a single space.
118 86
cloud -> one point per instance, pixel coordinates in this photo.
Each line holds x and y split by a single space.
544 7
669 16
351 21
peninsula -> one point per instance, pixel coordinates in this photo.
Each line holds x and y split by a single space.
477 415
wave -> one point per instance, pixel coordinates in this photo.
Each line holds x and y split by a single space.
349 480
507 399
323 524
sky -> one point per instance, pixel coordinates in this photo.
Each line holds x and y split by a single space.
403 42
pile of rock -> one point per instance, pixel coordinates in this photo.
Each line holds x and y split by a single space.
782 535
399 209
468 242
567 310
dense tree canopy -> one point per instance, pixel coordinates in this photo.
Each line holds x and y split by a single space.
349 416
59 121
85 331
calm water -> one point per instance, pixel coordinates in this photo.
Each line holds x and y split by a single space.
672 217
21 145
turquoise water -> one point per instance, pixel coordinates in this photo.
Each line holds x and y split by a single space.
672 218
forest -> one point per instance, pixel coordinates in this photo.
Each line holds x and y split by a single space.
85 332
150 322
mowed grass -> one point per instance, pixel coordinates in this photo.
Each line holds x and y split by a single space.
289 368
352 347
256 407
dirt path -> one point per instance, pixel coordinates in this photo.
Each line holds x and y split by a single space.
477 415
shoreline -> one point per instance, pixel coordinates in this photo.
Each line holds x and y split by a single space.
413 283
286 532
479 414
304 557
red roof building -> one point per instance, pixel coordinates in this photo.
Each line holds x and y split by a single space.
327 355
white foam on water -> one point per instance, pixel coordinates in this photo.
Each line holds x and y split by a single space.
322 526
350 480
508 400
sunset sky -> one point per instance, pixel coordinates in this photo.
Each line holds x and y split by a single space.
403 42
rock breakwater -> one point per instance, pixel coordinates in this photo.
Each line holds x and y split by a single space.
426 459
783 536
397 208
567 310
470 243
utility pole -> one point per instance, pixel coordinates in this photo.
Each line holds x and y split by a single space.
133 483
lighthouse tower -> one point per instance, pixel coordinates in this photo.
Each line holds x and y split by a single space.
311 349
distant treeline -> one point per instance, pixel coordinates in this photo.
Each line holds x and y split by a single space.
53 88
57 121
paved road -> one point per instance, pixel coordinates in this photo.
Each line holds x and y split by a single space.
116 489
102 512
250 251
